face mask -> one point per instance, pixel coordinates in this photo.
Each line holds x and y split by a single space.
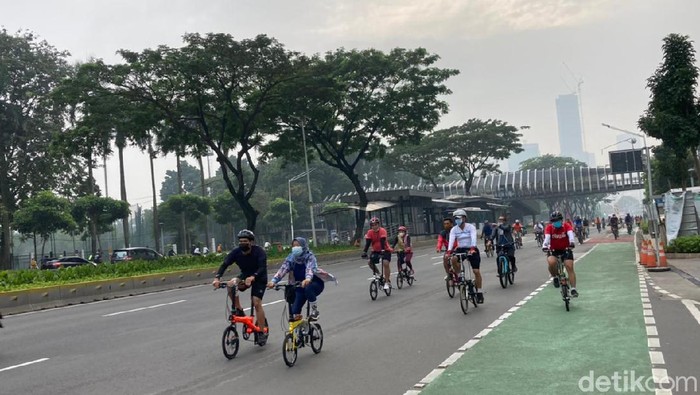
458 221
402 234
296 251
244 247
557 224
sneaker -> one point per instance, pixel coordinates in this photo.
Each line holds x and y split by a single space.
479 297
574 293
515 269
238 313
262 338
386 286
555 282
314 312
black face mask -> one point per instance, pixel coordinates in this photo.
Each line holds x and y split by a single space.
244 247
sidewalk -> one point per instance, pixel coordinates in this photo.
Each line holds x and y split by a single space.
683 279
542 349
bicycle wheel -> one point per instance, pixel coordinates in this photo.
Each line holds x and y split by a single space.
409 280
503 271
472 294
511 277
399 280
373 289
289 350
387 291
463 301
449 284
230 342
316 337
565 295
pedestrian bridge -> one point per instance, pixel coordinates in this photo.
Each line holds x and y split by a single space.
549 183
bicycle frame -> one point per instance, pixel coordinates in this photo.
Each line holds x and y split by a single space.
249 320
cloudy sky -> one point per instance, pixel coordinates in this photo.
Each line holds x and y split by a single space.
515 57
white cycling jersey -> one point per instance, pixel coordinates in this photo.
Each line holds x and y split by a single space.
466 238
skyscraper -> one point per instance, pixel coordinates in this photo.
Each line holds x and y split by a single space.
570 133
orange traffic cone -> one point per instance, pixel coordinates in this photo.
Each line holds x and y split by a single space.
651 255
643 254
662 255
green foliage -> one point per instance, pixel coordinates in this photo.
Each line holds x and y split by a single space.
550 161
685 244
98 213
44 214
475 147
190 181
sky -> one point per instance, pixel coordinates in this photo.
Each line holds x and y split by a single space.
514 57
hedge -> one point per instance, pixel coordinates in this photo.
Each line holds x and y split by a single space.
685 244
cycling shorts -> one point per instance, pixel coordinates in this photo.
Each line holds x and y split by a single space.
374 256
474 259
566 254
257 287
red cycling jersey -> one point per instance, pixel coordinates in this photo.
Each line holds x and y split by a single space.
559 237
376 238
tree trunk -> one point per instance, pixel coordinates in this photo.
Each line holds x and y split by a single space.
361 214
122 186
183 223
204 194
157 231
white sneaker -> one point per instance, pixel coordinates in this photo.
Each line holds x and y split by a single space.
386 286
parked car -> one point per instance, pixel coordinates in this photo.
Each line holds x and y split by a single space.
67 261
135 253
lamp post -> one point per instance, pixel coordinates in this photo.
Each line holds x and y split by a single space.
289 186
651 196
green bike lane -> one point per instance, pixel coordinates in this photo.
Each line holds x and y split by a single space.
598 346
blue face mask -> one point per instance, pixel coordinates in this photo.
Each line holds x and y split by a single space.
557 224
296 251
458 221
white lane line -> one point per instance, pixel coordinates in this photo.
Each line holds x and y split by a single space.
653 342
437 257
657 357
24 364
693 308
144 308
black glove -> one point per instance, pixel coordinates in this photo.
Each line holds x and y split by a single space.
572 245
545 249
364 255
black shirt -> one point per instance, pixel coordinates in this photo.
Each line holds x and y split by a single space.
252 264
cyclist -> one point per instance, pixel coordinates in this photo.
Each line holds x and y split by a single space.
252 260
464 235
376 237
443 242
597 223
628 222
614 222
301 263
578 226
403 240
517 229
538 228
486 234
558 241
503 236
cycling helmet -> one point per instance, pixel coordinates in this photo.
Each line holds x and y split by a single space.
246 234
556 216
517 221
577 217
459 213
486 222
402 228
374 220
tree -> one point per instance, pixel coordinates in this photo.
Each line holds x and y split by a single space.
30 70
95 215
549 161
355 104
214 92
189 176
673 114
44 215
475 146
419 159
193 207
278 214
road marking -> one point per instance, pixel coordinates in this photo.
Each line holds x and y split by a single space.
24 364
144 308
657 358
693 308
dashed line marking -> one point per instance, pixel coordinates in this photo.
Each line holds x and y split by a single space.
144 308
24 364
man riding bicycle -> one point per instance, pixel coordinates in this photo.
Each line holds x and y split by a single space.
252 260
376 237
538 228
464 235
517 229
505 241
614 223
628 222
558 241
443 243
487 234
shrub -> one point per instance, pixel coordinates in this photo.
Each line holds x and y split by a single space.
685 244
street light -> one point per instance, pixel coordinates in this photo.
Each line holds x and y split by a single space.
302 121
651 196
289 186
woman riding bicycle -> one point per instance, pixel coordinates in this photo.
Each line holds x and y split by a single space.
301 264
401 243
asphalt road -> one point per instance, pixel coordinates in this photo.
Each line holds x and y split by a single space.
170 342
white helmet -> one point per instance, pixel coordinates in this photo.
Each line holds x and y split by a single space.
459 213
517 221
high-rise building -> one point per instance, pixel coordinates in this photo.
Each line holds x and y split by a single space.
529 151
570 132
